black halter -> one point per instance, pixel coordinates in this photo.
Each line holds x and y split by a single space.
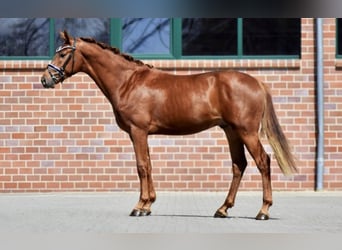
61 70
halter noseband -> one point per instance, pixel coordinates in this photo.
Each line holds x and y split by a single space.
61 70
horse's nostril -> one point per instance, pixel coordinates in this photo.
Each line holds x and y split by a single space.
44 83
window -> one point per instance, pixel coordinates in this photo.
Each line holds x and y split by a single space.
98 28
339 37
24 37
271 36
209 37
172 38
241 38
146 35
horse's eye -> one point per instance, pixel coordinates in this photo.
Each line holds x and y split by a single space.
62 55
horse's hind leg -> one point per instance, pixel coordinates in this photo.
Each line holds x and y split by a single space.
262 161
151 191
239 162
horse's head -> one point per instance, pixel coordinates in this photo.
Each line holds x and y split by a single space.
64 63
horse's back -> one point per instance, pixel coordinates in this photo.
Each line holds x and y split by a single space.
219 97
230 78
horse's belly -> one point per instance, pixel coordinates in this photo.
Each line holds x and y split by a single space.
184 127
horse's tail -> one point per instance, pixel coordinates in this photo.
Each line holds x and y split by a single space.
276 137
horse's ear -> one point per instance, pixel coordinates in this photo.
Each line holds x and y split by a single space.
66 37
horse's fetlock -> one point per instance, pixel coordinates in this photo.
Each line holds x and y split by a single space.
269 202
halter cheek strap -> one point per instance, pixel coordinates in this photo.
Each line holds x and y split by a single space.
61 70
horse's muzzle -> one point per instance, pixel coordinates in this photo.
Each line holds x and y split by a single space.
47 83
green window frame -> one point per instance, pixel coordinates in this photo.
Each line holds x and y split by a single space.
175 44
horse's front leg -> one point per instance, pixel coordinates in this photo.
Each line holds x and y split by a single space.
147 193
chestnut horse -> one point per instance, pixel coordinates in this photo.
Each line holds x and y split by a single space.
148 101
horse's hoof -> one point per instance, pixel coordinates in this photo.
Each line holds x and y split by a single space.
262 216
145 212
220 214
135 212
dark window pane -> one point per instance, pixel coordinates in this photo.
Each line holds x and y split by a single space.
146 35
209 36
339 36
97 28
271 36
24 37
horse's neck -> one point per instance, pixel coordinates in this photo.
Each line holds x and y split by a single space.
109 73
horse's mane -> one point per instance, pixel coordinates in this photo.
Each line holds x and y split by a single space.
115 51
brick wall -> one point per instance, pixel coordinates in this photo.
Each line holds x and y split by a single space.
66 139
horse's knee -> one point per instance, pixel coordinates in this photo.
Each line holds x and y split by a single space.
142 170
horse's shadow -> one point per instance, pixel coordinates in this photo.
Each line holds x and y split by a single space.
207 216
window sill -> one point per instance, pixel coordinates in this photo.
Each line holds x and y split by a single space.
226 64
23 64
338 64
200 64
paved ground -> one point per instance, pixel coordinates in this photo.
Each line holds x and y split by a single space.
173 212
